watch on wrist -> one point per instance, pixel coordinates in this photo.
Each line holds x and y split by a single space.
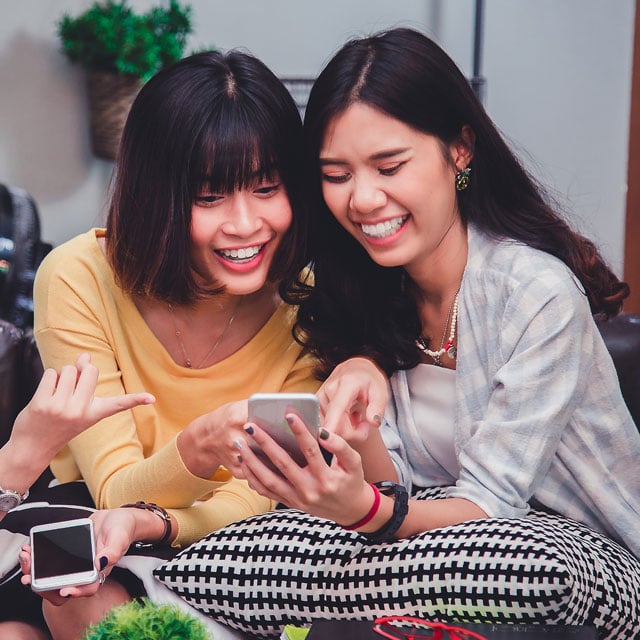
400 510
10 499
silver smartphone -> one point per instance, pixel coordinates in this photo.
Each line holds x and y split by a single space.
62 554
268 411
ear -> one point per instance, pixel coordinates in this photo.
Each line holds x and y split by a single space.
462 149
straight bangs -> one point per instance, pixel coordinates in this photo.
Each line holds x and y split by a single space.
237 150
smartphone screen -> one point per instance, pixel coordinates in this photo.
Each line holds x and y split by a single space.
62 554
268 411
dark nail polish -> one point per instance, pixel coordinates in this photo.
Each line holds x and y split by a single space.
324 434
289 419
239 458
377 419
104 561
249 429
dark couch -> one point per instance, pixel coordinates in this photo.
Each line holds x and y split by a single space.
20 372
622 337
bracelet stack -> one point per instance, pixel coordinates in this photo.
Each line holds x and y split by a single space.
400 509
372 511
159 511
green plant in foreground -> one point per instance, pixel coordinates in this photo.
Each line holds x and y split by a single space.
109 36
145 620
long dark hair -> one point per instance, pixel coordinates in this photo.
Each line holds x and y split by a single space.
212 119
358 307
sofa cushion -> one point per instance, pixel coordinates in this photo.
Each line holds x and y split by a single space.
622 336
286 567
11 350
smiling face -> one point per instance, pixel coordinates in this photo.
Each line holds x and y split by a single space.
234 235
392 187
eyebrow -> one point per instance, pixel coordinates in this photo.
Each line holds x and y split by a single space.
381 155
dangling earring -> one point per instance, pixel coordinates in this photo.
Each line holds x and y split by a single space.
463 177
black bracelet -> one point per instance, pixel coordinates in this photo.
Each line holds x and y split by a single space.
400 510
159 511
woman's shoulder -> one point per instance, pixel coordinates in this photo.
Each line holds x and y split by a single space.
281 321
513 272
77 268
513 259
73 256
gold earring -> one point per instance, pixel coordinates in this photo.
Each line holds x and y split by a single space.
463 177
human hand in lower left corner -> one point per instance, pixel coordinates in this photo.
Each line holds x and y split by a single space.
115 530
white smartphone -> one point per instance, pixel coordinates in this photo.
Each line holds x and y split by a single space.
268 411
62 554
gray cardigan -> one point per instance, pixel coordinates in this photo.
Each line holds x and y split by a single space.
539 412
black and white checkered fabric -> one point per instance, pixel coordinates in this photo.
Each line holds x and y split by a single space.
286 567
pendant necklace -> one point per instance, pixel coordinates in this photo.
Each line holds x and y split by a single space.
187 360
447 347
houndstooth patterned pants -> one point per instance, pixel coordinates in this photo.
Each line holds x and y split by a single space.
286 567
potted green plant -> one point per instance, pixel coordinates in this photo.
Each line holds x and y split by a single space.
121 49
145 620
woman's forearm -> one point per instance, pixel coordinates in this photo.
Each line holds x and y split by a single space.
376 461
20 467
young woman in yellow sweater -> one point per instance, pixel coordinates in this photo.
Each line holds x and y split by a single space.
179 297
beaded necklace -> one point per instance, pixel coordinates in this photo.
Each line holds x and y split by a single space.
448 347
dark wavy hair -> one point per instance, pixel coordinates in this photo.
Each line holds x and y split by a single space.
212 119
359 307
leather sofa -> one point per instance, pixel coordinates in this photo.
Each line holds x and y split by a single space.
622 337
21 367
20 372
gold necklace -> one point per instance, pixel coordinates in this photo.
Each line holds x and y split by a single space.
447 348
214 346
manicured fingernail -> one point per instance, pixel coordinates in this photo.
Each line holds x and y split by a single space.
324 434
237 443
249 429
289 419
239 458
377 419
68 595
104 561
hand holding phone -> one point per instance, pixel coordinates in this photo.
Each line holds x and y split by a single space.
268 411
62 554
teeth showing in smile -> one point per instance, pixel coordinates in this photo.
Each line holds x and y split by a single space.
383 229
241 255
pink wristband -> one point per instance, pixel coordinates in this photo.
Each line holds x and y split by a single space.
372 511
